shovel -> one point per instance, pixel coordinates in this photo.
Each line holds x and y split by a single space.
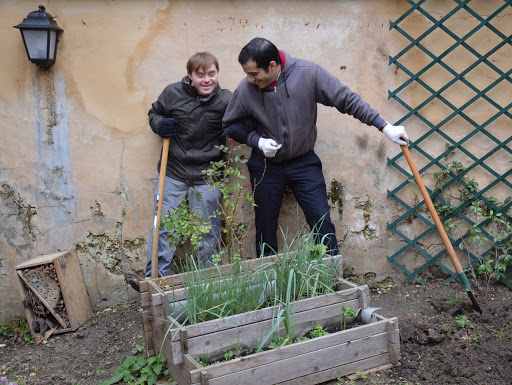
158 213
446 241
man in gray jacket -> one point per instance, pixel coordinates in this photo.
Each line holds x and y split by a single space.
281 94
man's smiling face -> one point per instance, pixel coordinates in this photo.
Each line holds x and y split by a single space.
205 79
258 76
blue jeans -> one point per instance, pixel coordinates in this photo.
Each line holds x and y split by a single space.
305 178
174 193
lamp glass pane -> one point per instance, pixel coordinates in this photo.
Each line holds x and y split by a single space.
36 41
53 42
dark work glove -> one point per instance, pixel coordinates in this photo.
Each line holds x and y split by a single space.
237 131
166 127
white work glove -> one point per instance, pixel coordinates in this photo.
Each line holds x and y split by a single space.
396 134
269 147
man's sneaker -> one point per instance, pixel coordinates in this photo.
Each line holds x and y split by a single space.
135 283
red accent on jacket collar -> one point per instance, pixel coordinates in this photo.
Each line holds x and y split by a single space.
282 56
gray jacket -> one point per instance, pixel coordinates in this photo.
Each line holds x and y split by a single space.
287 113
199 127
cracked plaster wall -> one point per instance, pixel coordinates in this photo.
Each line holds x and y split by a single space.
78 159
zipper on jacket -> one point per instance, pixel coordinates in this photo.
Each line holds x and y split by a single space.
283 121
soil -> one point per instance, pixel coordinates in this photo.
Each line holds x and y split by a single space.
434 350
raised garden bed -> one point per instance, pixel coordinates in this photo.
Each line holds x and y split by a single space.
313 361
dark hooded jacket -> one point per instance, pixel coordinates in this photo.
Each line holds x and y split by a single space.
287 112
199 127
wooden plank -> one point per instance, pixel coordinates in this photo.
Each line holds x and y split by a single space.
143 287
364 294
270 368
204 378
242 326
41 298
394 353
250 335
183 340
147 321
376 369
393 332
376 363
175 369
145 298
172 342
40 260
73 289
158 315
43 337
269 313
148 342
28 310
313 345
393 341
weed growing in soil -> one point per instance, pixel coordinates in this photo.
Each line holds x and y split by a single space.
347 313
17 328
139 370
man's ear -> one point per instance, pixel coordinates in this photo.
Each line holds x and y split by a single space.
272 66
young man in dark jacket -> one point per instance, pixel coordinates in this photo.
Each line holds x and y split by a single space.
190 114
281 94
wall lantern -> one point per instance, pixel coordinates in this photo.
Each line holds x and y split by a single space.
40 32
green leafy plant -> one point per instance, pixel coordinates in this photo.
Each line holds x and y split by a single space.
226 176
138 370
461 322
318 331
494 262
16 328
486 236
184 224
346 312
277 342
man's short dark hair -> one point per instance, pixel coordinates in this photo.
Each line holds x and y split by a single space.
261 51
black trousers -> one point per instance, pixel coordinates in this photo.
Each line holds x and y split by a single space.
305 178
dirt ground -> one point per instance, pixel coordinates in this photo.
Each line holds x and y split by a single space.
433 349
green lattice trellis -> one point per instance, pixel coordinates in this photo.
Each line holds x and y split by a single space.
462 145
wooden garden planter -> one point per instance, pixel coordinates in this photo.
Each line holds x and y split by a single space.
361 348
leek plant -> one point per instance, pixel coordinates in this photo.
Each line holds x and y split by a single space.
298 273
211 296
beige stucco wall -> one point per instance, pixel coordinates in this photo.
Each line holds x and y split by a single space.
78 159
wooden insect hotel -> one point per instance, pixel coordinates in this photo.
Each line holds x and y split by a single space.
53 293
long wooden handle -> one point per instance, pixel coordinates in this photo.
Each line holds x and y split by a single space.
442 232
158 213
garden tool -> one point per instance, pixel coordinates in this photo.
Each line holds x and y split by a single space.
158 212
442 232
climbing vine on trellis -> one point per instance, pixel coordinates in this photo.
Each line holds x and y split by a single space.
456 92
